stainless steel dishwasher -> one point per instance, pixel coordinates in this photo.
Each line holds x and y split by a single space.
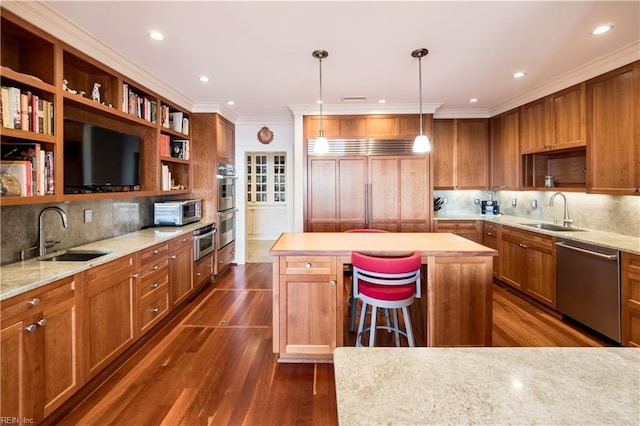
588 285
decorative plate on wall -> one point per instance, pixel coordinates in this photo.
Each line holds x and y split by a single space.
265 136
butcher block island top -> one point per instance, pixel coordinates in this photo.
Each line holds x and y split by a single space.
308 288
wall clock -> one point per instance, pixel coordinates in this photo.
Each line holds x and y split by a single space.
265 136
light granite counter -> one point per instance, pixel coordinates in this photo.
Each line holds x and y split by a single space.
487 386
20 277
605 239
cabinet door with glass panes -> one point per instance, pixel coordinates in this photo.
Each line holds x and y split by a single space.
266 195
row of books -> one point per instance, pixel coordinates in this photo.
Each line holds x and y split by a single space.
174 120
177 148
24 110
137 105
31 166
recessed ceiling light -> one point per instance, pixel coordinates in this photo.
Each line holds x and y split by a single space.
156 35
519 74
230 103
204 79
382 101
602 29
473 100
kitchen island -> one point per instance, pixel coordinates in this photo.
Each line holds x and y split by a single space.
487 385
308 289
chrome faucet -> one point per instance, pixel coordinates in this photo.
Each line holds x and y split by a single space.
42 242
566 222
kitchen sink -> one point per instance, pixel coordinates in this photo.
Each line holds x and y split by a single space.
551 227
74 256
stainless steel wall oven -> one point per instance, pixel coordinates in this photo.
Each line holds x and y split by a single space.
226 178
203 241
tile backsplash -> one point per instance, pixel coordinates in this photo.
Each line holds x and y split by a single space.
109 218
609 213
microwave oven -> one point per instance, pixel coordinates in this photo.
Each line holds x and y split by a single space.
177 213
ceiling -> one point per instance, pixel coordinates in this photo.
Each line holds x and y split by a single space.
259 54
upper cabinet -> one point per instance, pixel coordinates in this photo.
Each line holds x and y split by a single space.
504 151
367 127
555 122
225 141
460 152
614 131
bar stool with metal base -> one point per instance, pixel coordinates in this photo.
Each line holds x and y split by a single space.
387 283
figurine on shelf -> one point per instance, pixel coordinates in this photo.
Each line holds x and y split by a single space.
65 85
82 93
95 94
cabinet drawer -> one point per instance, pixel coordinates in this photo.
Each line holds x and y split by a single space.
457 226
631 262
153 267
295 265
530 239
202 270
154 254
153 283
490 227
38 299
123 266
153 310
177 243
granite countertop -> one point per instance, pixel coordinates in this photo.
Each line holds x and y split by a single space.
487 385
605 239
20 277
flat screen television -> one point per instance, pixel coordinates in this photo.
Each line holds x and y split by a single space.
99 160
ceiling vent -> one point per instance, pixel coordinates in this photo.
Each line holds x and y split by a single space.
354 98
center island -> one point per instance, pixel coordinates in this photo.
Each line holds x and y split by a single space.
308 289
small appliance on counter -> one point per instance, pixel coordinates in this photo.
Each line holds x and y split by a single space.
177 213
490 207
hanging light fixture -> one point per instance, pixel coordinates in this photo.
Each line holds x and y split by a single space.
421 144
322 144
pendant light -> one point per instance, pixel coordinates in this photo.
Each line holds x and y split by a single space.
322 144
421 145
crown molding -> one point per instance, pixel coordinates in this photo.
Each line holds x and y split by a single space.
461 113
363 109
616 59
50 21
215 107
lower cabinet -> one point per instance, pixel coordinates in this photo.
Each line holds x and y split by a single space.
152 287
491 238
108 302
224 257
630 293
180 266
40 358
528 262
308 302
469 229
203 270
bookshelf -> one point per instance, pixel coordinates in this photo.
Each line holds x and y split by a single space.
59 76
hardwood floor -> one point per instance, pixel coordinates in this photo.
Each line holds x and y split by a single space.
213 364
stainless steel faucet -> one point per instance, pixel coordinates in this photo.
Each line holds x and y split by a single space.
42 241
566 222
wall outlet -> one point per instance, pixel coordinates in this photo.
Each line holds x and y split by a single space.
514 202
476 201
88 216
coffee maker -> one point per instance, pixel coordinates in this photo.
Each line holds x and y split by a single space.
490 206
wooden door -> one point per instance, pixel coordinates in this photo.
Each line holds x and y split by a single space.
613 153
513 261
109 313
180 273
630 295
443 153
322 212
415 195
504 151
533 135
351 193
384 195
472 154
491 238
541 274
568 118
19 377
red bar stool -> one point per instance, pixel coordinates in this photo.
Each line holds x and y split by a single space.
387 283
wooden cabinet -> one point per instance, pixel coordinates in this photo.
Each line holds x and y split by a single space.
504 151
203 270
40 355
180 269
461 154
367 127
491 237
469 229
384 192
308 307
225 141
152 287
555 122
630 295
224 257
528 263
614 132
109 313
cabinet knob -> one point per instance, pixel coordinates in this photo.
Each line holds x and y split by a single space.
155 251
135 276
332 282
198 274
42 322
31 328
154 285
172 257
33 302
155 310
489 234
635 189
523 245
184 240
155 268
308 266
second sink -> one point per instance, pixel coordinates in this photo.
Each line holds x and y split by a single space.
551 227
74 256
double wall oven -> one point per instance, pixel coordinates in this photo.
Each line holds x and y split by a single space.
227 210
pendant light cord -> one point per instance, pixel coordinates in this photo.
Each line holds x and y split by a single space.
321 100
420 84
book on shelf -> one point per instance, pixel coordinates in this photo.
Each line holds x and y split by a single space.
185 125
180 149
20 171
164 116
175 121
164 145
166 178
41 161
4 102
14 107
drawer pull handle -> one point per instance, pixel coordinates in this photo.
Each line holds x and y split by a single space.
135 276
155 310
332 282
155 268
31 328
184 240
154 285
42 322
173 257
155 251
523 245
489 234
308 266
198 274
33 302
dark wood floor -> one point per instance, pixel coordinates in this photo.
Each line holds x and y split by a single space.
213 364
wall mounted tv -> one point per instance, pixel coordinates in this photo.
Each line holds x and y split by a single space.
99 160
